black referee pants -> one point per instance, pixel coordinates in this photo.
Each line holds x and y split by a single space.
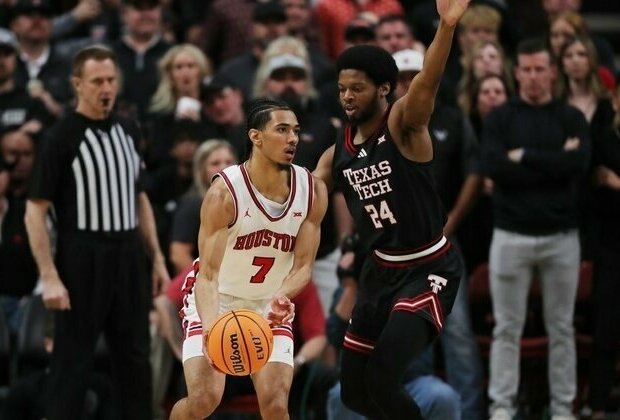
109 293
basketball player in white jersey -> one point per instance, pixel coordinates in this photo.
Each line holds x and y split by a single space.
259 234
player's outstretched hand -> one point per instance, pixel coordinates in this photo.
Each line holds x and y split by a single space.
451 10
282 310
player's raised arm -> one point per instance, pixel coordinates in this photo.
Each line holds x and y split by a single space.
412 112
216 213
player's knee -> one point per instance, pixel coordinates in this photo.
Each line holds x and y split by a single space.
200 406
274 408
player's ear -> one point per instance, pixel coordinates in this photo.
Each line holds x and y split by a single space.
384 89
255 136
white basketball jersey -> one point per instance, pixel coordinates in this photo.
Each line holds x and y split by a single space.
259 248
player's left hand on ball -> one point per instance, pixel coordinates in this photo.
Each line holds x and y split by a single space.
282 310
205 352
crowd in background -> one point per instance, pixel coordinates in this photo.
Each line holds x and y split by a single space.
187 69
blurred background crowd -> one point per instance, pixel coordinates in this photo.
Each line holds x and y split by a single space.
189 66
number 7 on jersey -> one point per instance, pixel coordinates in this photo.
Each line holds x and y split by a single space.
265 264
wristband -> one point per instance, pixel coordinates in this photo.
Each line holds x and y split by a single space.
350 243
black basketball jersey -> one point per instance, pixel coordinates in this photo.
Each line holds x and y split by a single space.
392 199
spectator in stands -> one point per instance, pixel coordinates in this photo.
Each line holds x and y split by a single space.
175 105
40 68
223 107
76 28
301 21
536 149
488 93
268 23
211 157
335 15
65 25
393 33
606 331
360 30
226 30
17 267
555 8
139 50
476 232
569 24
17 107
167 183
580 85
486 58
479 23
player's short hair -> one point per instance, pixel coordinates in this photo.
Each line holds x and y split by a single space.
259 111
377 63
95 52
259 114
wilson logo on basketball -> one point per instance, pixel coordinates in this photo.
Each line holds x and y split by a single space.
235 354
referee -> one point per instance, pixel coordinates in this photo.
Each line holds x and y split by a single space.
89 170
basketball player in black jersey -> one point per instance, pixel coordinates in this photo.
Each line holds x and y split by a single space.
410 275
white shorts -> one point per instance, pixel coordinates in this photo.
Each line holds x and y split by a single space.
283 348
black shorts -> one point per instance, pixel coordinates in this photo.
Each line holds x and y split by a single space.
427 289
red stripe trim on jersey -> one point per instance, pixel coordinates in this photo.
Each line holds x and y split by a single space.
427 301
349 134
291 196
310 191
232 192
348 141
404 258
358 344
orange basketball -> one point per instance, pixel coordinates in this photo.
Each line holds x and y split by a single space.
240 342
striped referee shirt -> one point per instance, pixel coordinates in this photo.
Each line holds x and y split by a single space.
90 170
